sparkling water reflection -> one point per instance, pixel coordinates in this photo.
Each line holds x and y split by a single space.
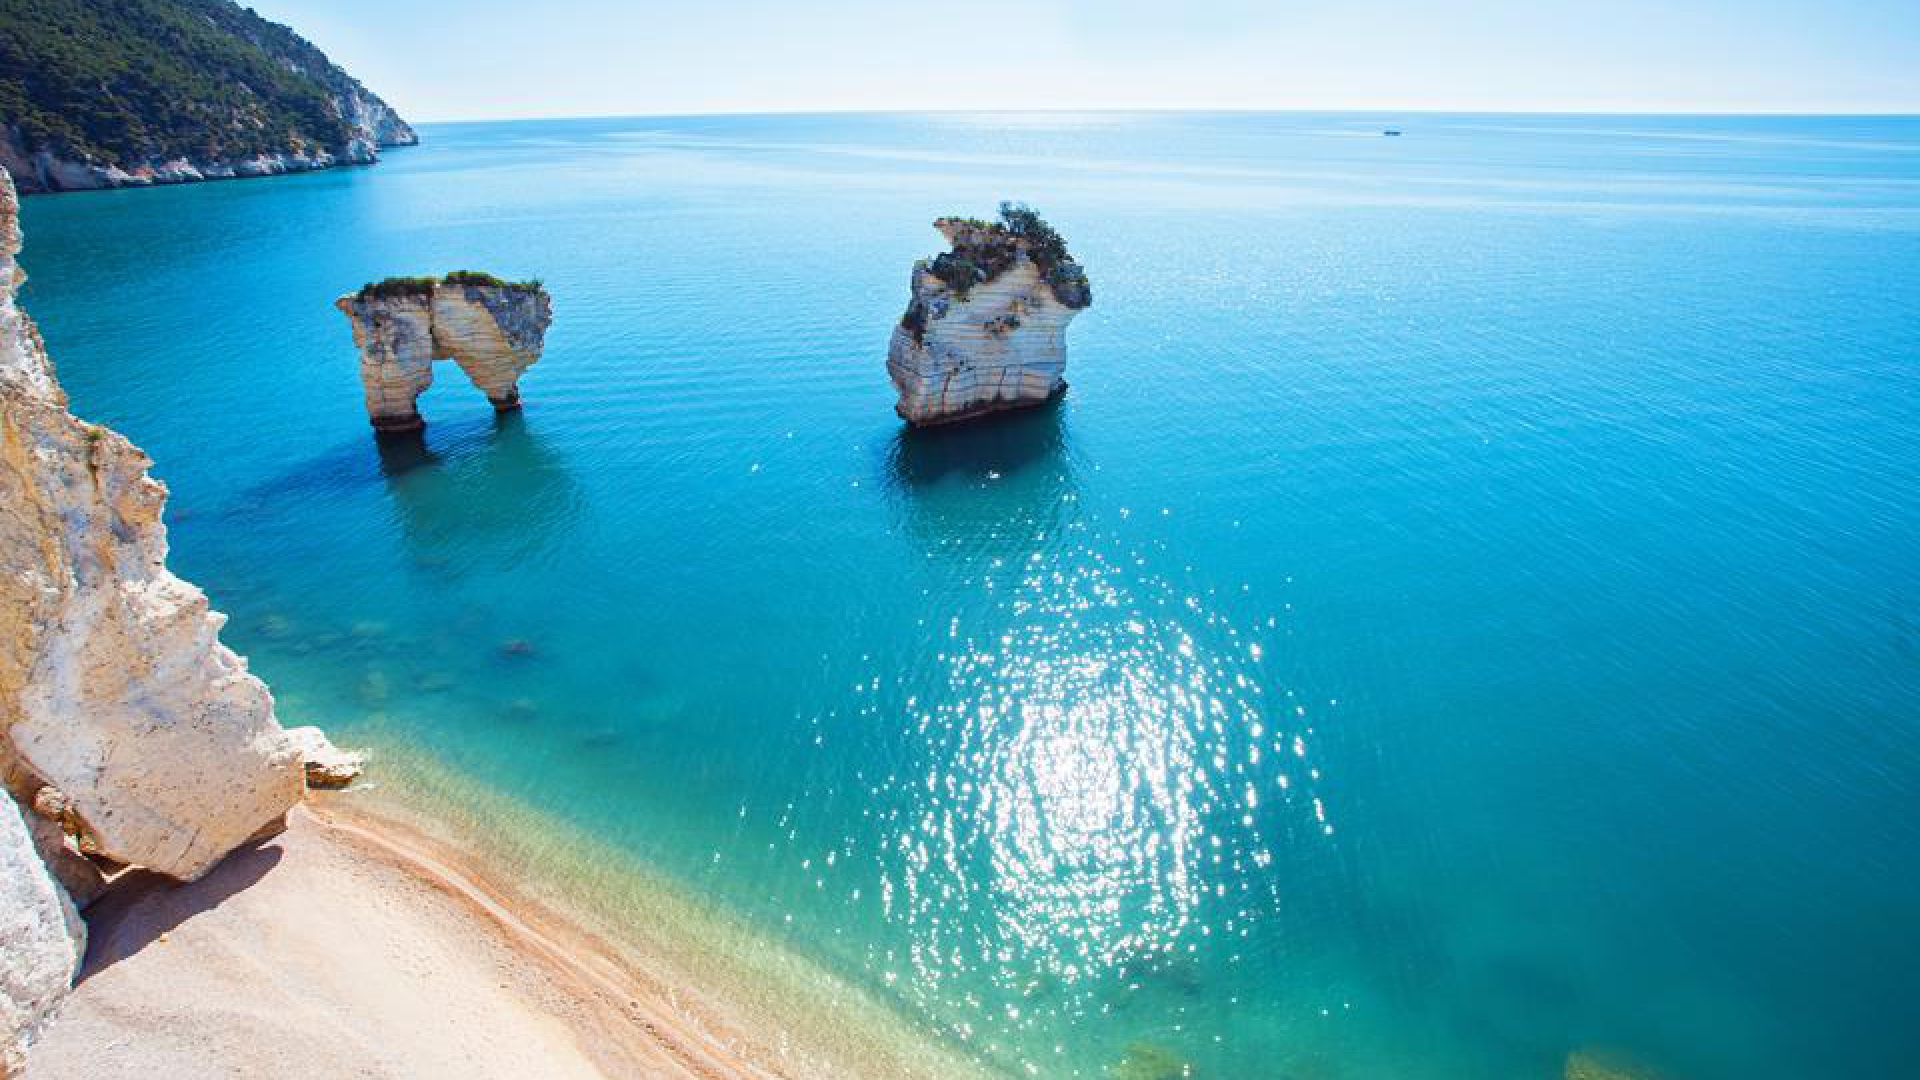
1574 459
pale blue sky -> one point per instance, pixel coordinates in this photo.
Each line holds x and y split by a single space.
481 59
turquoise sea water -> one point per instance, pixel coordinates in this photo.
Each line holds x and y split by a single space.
1465 610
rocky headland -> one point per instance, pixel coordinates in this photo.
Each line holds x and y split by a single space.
118 93
129 735
493 329
985 329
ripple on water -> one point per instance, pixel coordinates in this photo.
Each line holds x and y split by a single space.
1094 775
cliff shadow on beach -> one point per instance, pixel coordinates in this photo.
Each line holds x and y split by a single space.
144 907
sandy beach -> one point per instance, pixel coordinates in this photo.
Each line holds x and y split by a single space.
361 948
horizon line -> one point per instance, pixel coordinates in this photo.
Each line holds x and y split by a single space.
1423 110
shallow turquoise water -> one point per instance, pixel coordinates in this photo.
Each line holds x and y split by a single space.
1464 611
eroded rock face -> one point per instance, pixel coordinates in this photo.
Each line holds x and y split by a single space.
42 939
494 332
115 690
327 765
999 343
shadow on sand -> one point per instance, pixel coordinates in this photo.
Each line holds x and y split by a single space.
144 906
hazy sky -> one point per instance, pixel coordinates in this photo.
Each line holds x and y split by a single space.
517 58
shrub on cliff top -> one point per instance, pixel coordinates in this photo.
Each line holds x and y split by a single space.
987 248
472 277
423 286
481 278
959 272
1044 245
398 286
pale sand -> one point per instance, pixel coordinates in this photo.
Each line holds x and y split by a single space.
349 948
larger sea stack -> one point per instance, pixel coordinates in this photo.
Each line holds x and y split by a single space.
986 328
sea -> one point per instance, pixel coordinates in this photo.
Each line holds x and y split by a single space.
1463 621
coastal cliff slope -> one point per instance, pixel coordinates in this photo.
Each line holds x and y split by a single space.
110 93
114 687
985 328
129 735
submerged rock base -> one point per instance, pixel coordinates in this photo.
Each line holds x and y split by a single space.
1009 400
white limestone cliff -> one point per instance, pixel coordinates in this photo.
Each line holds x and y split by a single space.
129 735
327 765
114 687
42 939
996 342
493 330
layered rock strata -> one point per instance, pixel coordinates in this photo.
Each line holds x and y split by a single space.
985 329
494 331
129 735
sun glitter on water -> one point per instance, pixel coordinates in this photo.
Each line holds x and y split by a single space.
1099 764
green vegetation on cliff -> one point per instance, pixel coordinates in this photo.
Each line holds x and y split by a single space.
983 250
424 286
121 82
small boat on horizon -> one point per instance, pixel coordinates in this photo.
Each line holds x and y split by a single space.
1391 131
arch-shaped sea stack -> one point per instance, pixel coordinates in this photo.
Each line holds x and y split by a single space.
493 329
986 327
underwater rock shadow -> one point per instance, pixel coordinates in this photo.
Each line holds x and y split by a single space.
987 487
487 490
1007 443
346 467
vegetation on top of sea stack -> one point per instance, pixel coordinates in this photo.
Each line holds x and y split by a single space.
983 250
424 286
126 82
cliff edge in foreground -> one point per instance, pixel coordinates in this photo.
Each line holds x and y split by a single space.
129 735
112 93
494 329
985 329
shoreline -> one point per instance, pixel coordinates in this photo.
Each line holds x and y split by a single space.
767 1003
422 917
631 1024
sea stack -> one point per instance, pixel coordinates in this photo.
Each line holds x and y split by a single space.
493 329
986 328
129 735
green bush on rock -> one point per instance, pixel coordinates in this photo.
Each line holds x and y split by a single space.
983 250
424 286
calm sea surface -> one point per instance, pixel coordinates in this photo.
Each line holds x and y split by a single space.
1466 610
